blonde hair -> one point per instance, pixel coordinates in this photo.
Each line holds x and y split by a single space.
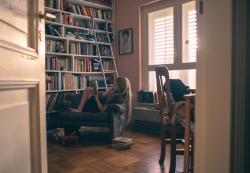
124 88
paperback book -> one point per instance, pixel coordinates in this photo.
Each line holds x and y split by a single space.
122 143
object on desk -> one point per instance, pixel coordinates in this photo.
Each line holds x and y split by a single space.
145 96
58 133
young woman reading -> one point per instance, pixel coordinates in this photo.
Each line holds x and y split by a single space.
120 93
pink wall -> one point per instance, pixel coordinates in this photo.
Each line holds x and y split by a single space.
127 14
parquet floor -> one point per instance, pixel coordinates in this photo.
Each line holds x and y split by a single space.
95 155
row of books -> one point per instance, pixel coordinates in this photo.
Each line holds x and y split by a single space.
110 80
68 19
99 80
122 143
102 38
82 49
87 65
102 2
79 34
104 50
73 81
108 64
51 3
54 85
54 3
87 11
144 96
56 63
54 46
53 98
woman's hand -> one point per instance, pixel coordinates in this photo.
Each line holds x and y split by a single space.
74 110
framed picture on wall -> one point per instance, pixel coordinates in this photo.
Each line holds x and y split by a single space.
125 38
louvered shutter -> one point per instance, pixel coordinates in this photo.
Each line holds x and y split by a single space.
189 32
161 37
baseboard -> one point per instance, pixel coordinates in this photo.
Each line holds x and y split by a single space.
146 127
154 128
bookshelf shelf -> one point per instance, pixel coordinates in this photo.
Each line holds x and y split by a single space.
107 57
57 54
76 27
80 41
79 48
47 9
90 4
55 37
85 56
108 71
51 9
53 23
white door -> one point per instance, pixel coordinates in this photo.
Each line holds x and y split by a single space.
22 87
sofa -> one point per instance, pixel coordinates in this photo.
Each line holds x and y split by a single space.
113 118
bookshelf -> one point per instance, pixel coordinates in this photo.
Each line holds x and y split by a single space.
79 47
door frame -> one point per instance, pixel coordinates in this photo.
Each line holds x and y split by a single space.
240 126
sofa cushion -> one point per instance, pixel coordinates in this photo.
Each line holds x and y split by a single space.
84 116
75 99
63 105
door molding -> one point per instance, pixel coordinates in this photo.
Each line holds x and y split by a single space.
34 117
19 49
240 87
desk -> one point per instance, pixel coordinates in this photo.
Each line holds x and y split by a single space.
189 133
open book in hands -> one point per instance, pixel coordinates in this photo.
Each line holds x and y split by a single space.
94 86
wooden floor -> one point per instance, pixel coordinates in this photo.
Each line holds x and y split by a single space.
95 155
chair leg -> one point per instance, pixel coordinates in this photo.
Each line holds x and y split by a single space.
163 144
173 150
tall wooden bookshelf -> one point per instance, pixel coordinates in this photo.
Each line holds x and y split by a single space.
79 48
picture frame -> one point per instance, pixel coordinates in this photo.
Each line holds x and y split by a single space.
125 39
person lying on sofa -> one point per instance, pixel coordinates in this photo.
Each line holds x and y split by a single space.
120 93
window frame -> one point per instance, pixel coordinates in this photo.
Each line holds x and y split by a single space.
177 65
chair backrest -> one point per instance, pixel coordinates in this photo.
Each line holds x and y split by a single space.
161 74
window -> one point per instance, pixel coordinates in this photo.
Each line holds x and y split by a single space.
169 39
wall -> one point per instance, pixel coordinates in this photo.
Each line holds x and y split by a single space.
128 16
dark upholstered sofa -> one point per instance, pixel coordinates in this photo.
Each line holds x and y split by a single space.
114 117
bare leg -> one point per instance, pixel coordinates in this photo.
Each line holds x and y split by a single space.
87 94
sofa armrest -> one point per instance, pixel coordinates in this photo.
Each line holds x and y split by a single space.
117 108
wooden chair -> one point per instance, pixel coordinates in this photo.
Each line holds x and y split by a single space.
166 106
189 135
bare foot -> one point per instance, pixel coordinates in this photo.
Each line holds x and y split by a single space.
74 110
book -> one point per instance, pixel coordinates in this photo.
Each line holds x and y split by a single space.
56 33
122 146
122 143
121 139
94 86
69 137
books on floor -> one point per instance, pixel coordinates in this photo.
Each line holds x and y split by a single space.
122 143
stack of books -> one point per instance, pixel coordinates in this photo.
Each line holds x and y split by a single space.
122 143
